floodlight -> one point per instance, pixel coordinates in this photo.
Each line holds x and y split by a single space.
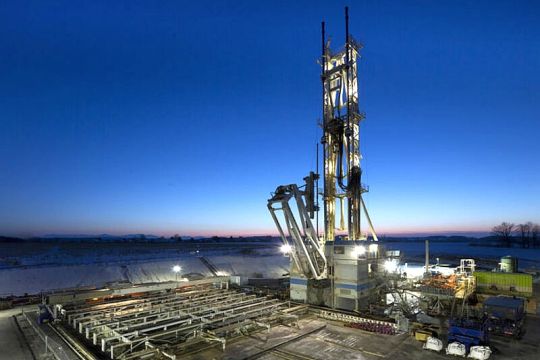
359 250
285 248
391 265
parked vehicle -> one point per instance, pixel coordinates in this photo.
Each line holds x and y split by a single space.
506 315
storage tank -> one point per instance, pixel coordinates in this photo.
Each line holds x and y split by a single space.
509 264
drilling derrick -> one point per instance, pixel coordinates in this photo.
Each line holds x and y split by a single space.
335 271
341 139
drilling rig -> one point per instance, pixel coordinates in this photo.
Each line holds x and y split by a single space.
337 268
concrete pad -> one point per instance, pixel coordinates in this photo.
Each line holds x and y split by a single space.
12 344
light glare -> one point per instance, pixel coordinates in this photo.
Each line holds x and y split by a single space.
286 248
359 250
391 265
176 268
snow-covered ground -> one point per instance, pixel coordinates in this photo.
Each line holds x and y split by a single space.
32 268
35 279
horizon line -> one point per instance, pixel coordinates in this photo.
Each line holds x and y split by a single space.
469 233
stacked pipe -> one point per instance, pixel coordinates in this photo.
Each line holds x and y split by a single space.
379 328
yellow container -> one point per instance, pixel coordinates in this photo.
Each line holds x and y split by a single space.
422 335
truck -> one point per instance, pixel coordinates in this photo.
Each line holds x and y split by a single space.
506 315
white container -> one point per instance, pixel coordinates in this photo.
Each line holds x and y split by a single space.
480 352
434 344
456 349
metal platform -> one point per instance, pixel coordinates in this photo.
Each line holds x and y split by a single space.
167 323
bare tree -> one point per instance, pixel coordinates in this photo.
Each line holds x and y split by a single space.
535 232
524 233
504 232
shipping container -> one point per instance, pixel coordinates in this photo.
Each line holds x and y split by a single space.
503 283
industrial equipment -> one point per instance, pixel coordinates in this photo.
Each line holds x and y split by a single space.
341 139
468 332
506 315
167 321
422 331
308 256
44 314
423 334
373 326
334 270
509 264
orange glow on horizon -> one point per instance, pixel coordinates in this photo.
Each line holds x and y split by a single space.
209 232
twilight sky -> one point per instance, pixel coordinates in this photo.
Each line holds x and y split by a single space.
182 116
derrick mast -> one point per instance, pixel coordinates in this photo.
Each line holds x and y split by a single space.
341 139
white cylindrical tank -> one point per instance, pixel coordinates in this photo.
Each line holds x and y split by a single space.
509 264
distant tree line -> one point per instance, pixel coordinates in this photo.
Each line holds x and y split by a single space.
224 239
526 235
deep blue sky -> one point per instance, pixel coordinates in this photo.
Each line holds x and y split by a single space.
171 117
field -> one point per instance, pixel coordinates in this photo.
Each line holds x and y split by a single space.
35 266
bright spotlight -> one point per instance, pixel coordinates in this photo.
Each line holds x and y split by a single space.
391 265
176 268
373 248
286 248
359 250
